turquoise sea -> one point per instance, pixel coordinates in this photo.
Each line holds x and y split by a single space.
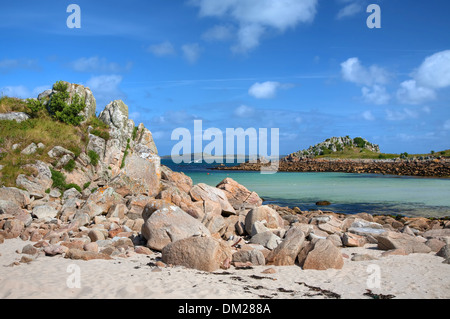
348 193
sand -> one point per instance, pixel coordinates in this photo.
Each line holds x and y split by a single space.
416 276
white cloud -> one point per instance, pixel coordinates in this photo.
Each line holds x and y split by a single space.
368 116
411 93
353 71
22 92
376 94
162 49
264 90
434 72
99 65
267 90
404 114
252 17
218 33
351 9
106 88
244 111
191 52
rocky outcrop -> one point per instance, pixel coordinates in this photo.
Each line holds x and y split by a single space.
238 195
14 116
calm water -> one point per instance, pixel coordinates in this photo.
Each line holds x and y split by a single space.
348 193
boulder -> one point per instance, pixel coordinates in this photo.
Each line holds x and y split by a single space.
254 256
9 208
272 218
15 195
353 240
202 253
203 192
393 240
59 151
78 254
30 149
266 239
331 226
437 233
38 182
97 144
181 180
169 224
14 116
444 252
173 194
12 228
44 212
141 173
238 195
144 137
324 256
115 115
286 253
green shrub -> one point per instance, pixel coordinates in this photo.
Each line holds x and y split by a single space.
125 154
134 133
60 110
103 134
34 108
358 141
70 166
69 186
59 180
86 185
94 157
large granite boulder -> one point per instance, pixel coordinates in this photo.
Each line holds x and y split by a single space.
410 244
169 224
38 182
323 256
286 253
203 192
238 195
202 253
263 213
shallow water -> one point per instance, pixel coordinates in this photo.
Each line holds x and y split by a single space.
348 193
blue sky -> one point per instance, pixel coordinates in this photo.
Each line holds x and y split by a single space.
311 68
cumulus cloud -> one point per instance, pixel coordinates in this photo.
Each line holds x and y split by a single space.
218 33
106 88
191 52
410 93
99 65
267 90
253 17
22 92
376 94
162 49
434 72
372 78
368 116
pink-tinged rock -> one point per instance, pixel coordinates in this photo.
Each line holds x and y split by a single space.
324 256
118 210
203 192
15 195
13 228
202 253
181 180
96 235
143 250
353 240
238 195
393 240
92 247
53 250
394 252
77 254
170 224
286 253
272 218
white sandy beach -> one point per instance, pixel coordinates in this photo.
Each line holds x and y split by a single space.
416 276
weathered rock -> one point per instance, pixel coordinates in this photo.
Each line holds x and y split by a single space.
96 235
170 224
238 195
117 210
13 228
332 226
286 253
14 116
393 240
29 250
363 257
444 252
266 239
115 115
97 145
30 149
59 151
77 254
203 192
255 257
324 256
144 137
214 223
15 195
136 205
435 244
39 182
181 199
101 201
140 174
53 250
202 253
92 247
9 208
181 180
44 212
143 250
261 213
353 240
437 233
